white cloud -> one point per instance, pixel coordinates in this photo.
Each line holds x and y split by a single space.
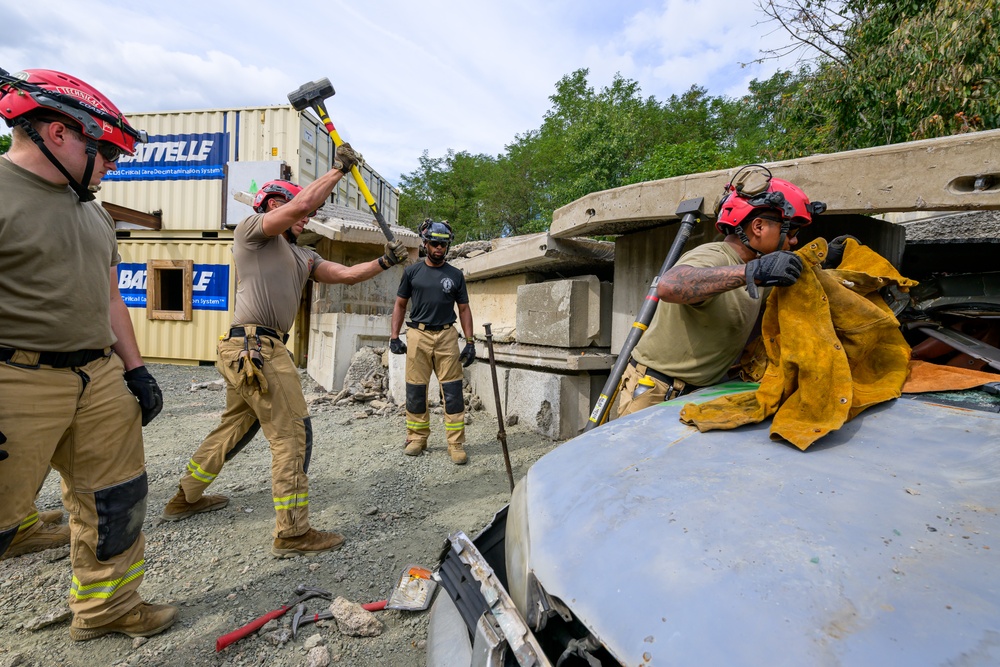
409 76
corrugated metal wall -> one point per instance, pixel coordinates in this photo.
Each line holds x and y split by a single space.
278 133
194 341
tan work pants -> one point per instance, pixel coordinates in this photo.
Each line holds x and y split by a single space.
437 352
658 393
87 425
283 416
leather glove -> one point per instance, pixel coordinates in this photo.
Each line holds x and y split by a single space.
144 388
468 354
835 251
397 346
395 252
776 269
346 157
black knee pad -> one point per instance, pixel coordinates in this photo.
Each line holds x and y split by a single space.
307 422
453 401
416 398
6 537
120 513
244 441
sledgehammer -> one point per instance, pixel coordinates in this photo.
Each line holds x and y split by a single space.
311 95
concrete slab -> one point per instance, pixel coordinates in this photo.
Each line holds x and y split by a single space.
333 340
495 301
555 405
960 172
537 252
575 312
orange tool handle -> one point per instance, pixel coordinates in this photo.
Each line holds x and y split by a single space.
248 629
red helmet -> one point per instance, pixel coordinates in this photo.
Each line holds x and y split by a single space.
66 95
786 198
277 188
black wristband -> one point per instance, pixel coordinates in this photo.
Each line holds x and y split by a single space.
385 265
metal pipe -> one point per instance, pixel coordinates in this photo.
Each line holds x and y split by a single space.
690 210
501 434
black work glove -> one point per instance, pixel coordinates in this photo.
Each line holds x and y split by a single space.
468 354
395 252
397 346
835 251
345 157
777 269
144 387
3 439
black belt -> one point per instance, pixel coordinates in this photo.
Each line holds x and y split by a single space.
428 327
653 373
59 359
240 332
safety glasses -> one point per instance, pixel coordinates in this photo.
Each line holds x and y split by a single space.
108 150
792 231
437 244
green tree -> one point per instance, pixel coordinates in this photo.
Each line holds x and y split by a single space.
891 70
4 143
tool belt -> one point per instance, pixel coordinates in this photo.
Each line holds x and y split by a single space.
240 332
677 387
58 359
428 327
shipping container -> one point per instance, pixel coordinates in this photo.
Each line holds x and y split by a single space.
195 160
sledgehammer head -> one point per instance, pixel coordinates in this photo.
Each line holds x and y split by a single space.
310 93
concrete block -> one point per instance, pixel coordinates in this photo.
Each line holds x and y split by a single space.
565 313
495 301
554 404
333 340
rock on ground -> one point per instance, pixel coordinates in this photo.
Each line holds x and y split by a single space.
393 510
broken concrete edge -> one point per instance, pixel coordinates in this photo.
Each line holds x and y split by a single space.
931 174
537 252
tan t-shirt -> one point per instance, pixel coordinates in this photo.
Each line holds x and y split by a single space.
270 275
56 255
697 344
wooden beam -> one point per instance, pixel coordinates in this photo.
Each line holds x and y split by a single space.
122 214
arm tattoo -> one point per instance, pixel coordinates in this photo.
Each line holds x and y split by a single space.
690 285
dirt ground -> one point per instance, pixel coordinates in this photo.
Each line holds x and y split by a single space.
217 567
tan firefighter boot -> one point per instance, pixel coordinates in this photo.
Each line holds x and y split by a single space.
46 536
311 542
458 455
144 620
179 508
414 447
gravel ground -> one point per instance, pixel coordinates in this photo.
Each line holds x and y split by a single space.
394 510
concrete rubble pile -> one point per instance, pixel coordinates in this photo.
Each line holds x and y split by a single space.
366 387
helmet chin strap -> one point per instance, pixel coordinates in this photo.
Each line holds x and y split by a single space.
82 191
742 235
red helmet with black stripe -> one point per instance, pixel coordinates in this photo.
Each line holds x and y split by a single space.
277 188
49 91
787 199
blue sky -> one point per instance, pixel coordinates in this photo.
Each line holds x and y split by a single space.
410 75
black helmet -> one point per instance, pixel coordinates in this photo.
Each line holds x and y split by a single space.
431 230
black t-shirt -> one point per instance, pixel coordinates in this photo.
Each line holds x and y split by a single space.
433 292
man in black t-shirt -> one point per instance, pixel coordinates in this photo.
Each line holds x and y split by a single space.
435 287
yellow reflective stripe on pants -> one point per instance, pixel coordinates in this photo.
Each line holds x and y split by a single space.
416 426
291 502
454 426
28 522
105 589
200 473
